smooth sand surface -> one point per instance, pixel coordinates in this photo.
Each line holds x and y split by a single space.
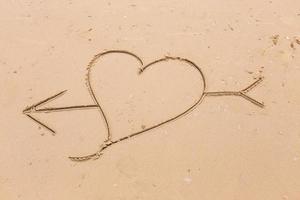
225 149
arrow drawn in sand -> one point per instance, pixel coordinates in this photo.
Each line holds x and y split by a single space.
36 108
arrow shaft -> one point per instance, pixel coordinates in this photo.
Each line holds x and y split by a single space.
223 93
65 108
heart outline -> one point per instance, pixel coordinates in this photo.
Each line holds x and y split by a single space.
142 69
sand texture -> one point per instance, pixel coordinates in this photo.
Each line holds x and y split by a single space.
150 100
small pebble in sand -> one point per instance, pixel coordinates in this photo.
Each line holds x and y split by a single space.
188 180
296 158
292 45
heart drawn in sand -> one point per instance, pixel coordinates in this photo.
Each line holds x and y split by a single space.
116 65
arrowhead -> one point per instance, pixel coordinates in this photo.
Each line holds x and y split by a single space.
33 108
27 110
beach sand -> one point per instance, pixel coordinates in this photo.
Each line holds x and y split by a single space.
223 148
